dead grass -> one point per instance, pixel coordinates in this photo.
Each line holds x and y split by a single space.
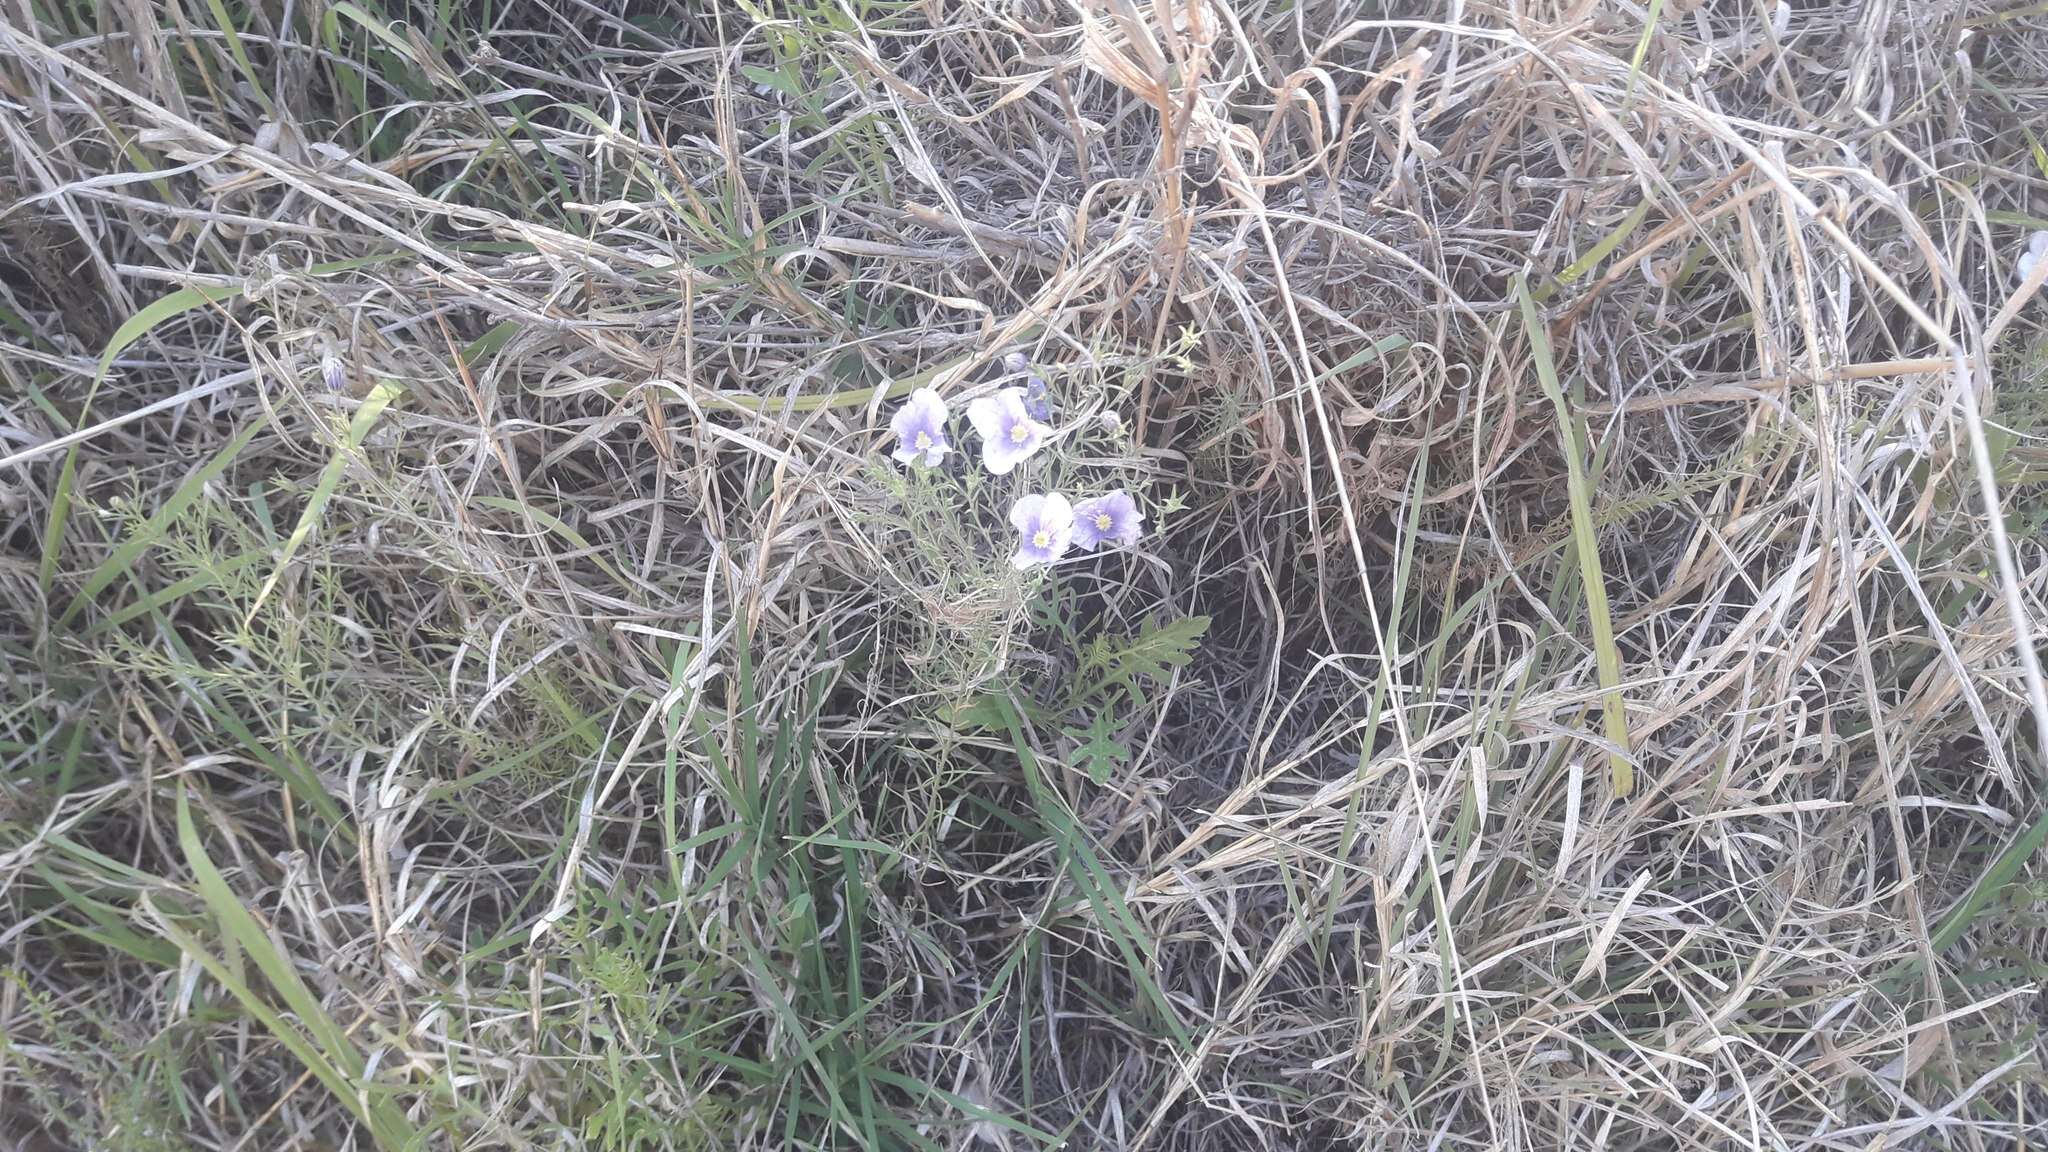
475 680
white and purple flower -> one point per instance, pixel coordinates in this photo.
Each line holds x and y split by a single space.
1045 528
1008 433
1111 519
920 428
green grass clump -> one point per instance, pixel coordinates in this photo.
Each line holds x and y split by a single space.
472 677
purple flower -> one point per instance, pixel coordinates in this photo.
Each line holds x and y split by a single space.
1045 526
920 427
1037 397
1008 433
1111 519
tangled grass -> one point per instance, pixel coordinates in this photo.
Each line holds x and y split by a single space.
475 680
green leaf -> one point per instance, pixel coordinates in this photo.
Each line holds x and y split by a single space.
109 927
377 28
2015 219
186 299
1152 654
553 523
164 597
981 714
779 79
2002 872
1635 64
490 343
1101 753
1601 250
1375 352
981 1114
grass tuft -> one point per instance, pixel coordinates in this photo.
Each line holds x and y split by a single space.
474 677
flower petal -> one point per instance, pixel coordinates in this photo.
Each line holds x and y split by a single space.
1025 512
908 417
989 416
1037 399
1130 523
1056 513
1088 532
1000 454
929 404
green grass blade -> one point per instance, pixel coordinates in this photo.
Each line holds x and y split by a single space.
172 593
131 549
1111 913
375 27
1615 721
672 725
1598 252
1404 564
359 427
1373 353
233 36
1635 62
156 312
323 1046
554 524
287 764
59 520
109 926
2023 848
295 1040
967 1107
242 929
174 304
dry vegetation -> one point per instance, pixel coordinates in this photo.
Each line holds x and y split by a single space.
473 678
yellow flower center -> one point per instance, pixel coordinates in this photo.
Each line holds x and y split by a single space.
1041 539
924 439
1102 521
1020 432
